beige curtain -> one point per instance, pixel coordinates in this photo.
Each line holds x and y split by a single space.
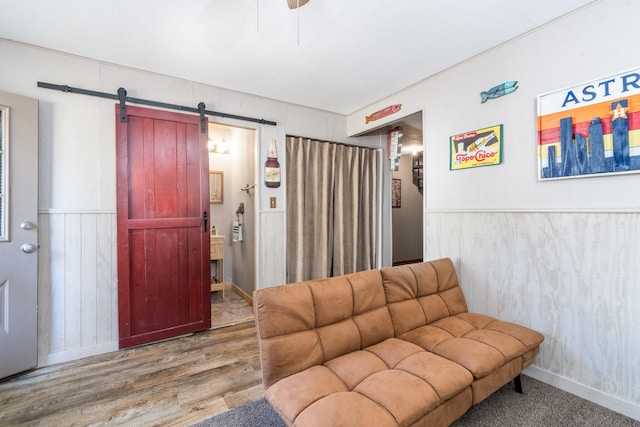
332 209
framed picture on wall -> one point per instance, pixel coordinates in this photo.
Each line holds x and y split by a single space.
481 147
396 193
590 129
216 187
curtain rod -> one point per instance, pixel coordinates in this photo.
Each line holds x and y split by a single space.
121 96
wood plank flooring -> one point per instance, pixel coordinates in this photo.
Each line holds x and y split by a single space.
172 383
229 310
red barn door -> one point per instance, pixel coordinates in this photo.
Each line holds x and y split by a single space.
163 240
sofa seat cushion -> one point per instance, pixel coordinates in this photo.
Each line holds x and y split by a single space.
369 387
480 343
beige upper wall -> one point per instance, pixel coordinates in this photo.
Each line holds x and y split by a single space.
77 132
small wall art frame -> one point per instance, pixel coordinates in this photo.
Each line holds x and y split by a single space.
396 193
216 187
590 129
482 147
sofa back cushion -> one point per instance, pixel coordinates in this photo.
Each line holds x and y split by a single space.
308 323
420 294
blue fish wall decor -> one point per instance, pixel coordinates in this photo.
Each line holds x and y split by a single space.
498 91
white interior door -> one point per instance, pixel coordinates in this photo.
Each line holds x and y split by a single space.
18 233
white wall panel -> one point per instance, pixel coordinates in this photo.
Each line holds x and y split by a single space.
78 310
72 284
55 333
88 280
106 321
572 276
273 249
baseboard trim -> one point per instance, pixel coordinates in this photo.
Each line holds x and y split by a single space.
245 296
80 353
623 407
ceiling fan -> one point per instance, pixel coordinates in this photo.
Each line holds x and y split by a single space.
293 4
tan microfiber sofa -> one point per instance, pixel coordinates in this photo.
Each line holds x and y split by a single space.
385 347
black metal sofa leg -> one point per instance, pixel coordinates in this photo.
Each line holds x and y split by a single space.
518 384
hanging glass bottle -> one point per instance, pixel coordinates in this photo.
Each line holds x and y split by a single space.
272 167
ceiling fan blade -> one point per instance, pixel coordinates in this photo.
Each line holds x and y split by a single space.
295 3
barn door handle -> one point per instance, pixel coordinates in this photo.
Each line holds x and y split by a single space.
205 218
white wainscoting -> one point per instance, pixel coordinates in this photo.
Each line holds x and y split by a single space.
574 276
271 269
77 285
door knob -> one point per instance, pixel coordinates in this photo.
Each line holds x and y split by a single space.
27 225
28 248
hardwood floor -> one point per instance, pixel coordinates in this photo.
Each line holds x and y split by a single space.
172 383
229 310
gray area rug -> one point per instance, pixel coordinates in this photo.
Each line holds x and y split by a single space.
540 405
253 414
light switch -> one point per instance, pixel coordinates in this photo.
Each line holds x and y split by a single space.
272 202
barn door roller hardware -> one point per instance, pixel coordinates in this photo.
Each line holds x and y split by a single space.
123 99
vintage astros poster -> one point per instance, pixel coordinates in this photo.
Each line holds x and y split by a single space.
590 129
482 147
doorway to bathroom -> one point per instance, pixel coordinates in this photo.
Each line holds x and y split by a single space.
232 181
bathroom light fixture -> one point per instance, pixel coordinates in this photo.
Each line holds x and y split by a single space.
222 147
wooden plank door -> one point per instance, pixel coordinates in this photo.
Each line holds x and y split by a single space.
18 233
163 240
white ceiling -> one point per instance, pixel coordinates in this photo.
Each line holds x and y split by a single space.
335 55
